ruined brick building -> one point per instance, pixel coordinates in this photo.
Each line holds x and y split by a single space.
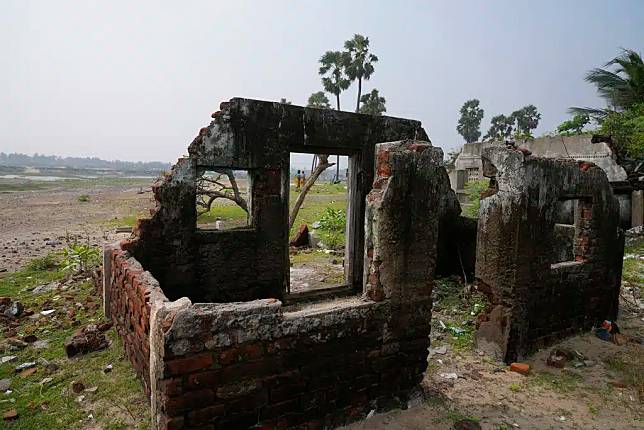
219 343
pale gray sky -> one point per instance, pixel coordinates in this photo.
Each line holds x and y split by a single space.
136 80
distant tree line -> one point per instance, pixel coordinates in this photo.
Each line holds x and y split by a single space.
41 160
519 124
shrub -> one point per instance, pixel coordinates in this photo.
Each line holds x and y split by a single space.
80 258
333 223
83 198
473 189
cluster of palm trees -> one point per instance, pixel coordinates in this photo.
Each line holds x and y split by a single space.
339 69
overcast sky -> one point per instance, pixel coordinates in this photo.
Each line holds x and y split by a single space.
135 80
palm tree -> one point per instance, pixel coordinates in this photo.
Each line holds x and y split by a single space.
622 87
333 64
335 81
359 61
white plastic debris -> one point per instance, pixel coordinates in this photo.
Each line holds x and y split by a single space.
449 375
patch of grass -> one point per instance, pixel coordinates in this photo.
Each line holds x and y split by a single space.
230 214
515 388
126 221
53 405
592 408
320 197
47 262
311 256
458 310
564 382
633 268
628 367
454 416
83 198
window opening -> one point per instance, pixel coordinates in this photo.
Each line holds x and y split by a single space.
223 199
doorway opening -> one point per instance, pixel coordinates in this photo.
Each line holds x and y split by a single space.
319 199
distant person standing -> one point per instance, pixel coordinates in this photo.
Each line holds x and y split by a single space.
303 178
298 180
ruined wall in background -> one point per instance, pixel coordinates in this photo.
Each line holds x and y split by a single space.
535 297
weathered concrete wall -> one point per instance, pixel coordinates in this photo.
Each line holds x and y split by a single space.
533 298
252 263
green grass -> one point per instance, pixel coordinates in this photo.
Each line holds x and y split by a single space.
126 221
564 382
515 388
53 405
455 309
321 196
633 268
231 215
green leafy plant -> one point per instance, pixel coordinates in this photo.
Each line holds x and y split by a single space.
333 223
473 189
83 198
79 258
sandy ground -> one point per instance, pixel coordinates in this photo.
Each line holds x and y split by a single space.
34 223
596 395
599 394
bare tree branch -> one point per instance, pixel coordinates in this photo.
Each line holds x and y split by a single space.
322 165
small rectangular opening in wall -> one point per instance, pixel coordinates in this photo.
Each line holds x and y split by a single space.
318 187
223 199
571 231
564 231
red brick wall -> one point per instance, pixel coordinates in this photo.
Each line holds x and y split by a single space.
129 308
306 371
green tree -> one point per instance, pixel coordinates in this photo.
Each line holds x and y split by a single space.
573 126
470 121
372 103
626 130
318 100
332 70
501 127
527 119
359 62
621 88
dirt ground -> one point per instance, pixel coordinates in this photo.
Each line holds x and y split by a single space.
602 389
34 223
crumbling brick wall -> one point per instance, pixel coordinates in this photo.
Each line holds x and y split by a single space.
127 291
237 365
316 365
535 298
